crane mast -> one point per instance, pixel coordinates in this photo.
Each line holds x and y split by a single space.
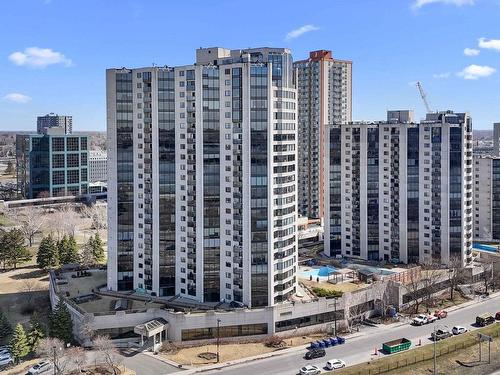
424 97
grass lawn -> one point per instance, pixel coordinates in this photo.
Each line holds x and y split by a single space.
468 352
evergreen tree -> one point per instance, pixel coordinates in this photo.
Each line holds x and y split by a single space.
19 344
4 248
16 251
87 257
47 256
60 323
68 250
5 327
36 333
97 248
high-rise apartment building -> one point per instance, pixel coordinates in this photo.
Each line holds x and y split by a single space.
98 166
51 165
202 177
496 139
324 97
400 191
486 197
51 120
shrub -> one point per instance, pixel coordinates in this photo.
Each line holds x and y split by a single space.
322 292
274 342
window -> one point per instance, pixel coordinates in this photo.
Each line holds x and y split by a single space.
58 144
73 160
73 176
72 144
58 161
58 178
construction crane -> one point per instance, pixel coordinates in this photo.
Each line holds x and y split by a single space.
424 97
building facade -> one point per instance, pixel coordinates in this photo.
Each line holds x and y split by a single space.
98 166
51 120
324 97
487 198
52 165
202 177
400 191
496 139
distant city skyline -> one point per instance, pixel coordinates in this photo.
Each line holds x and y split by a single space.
53 58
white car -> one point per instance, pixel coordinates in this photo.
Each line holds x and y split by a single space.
310 370
333 364
4 351
40 368
420 320
6 359
457 330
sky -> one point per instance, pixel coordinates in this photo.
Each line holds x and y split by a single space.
53 53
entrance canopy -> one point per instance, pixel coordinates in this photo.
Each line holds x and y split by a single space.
151 328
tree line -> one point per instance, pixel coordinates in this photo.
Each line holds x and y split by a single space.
52 253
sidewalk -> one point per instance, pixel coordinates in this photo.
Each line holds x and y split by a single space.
292 350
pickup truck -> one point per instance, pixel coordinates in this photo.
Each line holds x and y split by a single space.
422 319
441 334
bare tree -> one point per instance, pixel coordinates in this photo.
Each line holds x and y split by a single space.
77 356
455 273
107 350
29 287
53 349
63 221
97 213
32 221
414 288
430 278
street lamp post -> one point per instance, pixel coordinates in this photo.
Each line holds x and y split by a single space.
218 339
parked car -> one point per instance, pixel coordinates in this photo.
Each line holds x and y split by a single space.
310 370
484 319
441 334
315 353
333 364
6 359
440 314
40 368
4 351
422 319
458 330
497 315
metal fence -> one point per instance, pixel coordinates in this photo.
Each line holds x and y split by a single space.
415 356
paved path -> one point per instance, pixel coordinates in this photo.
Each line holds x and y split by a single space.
360 348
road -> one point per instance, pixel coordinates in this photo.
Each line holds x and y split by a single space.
360 349
142 364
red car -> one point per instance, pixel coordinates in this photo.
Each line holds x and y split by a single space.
440 314
497 315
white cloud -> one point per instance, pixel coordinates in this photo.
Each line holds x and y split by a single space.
489 43
442 75
421 3
300 31
16 97
476 71
471 52
35 57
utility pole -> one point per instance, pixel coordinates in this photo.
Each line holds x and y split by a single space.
435 341
218 339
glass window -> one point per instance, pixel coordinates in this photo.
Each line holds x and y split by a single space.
72 143
58 161
58 144
73 160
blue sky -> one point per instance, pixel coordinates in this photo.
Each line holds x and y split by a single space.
53 53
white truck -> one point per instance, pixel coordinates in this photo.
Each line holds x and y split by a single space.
422 319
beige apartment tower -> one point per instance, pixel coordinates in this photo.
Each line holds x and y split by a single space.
324 97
